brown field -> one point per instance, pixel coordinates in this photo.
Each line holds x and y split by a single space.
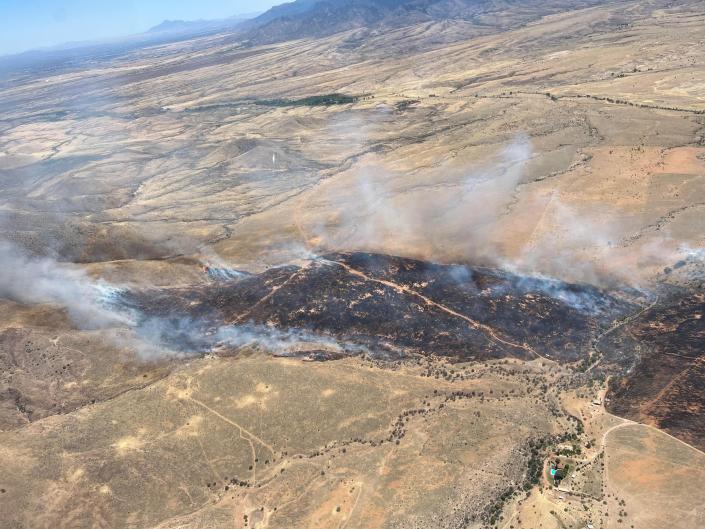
658 477
162 157
288 443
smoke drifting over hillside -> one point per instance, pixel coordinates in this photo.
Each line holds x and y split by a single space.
465 220
378 213
498 213
96 304
43 280
280 341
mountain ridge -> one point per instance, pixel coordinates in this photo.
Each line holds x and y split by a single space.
320 18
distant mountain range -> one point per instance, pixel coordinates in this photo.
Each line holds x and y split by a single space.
196 26
318 18
301 19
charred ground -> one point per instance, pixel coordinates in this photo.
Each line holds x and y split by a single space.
666 387
394 306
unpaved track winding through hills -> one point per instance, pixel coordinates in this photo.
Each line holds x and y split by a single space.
629 422
487 330
618 324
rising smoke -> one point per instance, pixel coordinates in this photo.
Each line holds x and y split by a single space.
280 341
43 280
96 304
457 215
479 217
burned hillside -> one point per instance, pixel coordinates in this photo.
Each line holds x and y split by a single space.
390 306
666 387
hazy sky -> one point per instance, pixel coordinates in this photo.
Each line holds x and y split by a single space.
30 24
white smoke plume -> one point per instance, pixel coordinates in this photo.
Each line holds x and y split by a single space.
34 280
569 250
381 213
482 217
280 341
96 304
